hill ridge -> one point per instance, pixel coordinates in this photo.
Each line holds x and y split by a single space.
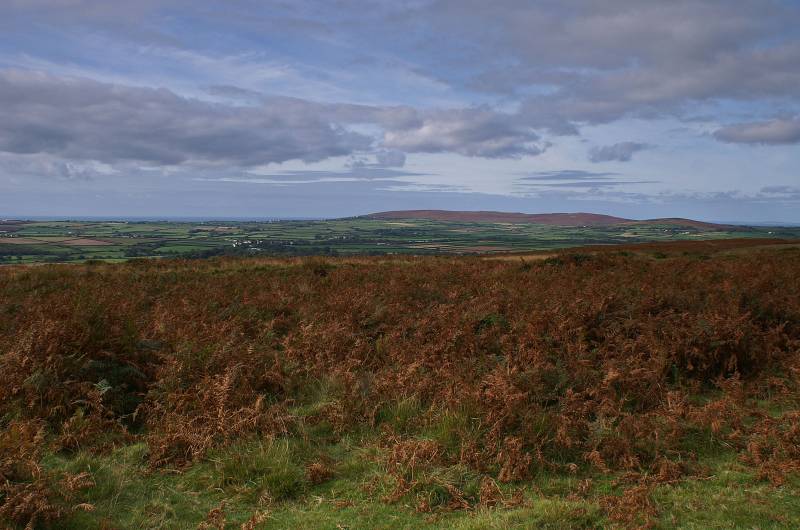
555 218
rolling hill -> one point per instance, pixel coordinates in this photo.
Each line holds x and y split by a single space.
554 219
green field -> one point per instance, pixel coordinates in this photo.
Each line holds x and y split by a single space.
79 241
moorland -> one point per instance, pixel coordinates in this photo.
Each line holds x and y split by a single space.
652 385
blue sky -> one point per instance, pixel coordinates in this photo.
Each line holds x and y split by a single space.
334 108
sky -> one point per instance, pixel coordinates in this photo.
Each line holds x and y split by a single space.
245 108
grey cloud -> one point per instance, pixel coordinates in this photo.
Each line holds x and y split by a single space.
131 20
390 158
87 120
571 62
355 173
657 90
50 167
589 183
784 192
384 158
575 178
569 174
607 34
780 189
325 186
234 92
779 131
470 132
596 62
475 131
619 152
81 119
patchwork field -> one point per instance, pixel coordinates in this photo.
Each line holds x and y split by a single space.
653 385
71 241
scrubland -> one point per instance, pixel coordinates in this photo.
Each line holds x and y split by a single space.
614 388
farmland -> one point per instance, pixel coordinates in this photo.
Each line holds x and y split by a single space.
80 241
652 384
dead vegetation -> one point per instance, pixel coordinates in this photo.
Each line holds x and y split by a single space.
505 370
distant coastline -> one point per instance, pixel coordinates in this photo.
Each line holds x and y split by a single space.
156 218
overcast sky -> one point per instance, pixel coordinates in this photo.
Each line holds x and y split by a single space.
336 107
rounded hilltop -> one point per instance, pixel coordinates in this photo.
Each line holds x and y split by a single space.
555 219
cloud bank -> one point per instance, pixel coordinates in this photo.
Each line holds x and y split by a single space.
773 132
465 94
83 119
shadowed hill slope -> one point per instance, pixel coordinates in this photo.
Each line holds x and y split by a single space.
555 219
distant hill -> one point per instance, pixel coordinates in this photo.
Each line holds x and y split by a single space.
560 219
680 221
555 219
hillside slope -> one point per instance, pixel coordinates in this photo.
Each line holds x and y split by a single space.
680 221
555 219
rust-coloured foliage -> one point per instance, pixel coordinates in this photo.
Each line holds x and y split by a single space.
31 496
588 361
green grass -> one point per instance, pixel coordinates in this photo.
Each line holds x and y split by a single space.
269 476
729 497
344 236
